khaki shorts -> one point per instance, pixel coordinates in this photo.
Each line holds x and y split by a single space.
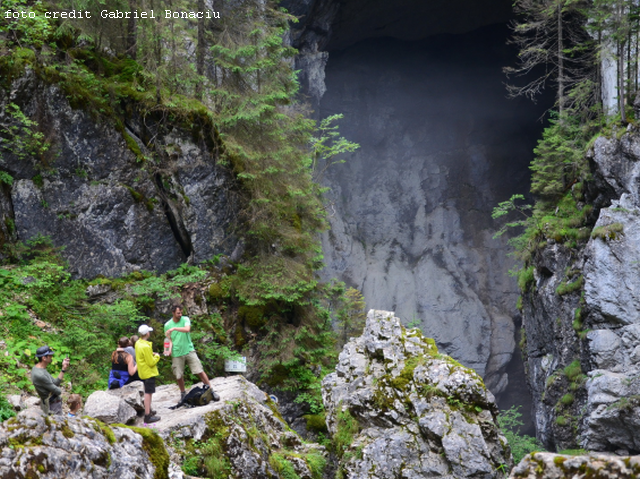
177 364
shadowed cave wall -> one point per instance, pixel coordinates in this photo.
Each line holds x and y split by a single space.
421 89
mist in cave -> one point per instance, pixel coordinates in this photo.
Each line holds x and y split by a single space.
441 145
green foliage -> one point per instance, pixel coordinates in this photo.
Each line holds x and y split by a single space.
207 457
346 429
19 136
608 232
326 144
283 466
6 178
6 409
31 30
510 423
566 288
560 159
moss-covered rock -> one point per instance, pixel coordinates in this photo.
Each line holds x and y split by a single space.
395 404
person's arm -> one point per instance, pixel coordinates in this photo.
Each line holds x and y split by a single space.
132 368
182 329
45 382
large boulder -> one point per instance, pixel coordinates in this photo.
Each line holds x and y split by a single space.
53 447
411 411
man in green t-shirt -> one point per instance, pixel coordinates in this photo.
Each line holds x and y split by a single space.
178 329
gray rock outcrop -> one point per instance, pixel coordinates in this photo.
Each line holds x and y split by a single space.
53 447
254 440
418 413
148 196
582 342
545 465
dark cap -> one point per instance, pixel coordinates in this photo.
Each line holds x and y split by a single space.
43 351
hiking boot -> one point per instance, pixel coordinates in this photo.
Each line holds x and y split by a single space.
182 395
151 418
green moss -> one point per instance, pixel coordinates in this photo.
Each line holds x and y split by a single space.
559 460
153 445
216 293
562 421
573 371
406 375
566 288
316 422
106 431
567 399
608 232
66 431
253 316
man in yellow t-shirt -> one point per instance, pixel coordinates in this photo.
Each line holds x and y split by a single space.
147 370
178 329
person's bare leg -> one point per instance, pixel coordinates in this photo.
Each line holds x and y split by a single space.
147 404
181 384
204 378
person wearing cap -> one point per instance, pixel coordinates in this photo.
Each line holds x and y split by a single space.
147 370
178 329
46 386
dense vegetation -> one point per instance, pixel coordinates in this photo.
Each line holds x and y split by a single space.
236 87
562 44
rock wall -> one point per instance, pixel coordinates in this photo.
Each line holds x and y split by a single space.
582 347
410 211
411 411
146 195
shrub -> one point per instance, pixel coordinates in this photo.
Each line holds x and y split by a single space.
510 423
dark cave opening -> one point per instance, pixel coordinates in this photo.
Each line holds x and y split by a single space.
436 108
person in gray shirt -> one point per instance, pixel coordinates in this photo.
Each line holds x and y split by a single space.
46 386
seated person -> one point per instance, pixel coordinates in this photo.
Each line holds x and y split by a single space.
75 405
123 367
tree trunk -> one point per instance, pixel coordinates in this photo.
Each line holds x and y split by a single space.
200 51
132 32
560 53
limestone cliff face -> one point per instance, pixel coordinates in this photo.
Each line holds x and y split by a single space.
150 196
410 211
582 347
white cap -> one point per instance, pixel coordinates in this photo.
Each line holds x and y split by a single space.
144 329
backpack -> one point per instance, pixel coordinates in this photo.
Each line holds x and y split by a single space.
197 396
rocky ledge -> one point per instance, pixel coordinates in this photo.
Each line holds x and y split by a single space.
545 465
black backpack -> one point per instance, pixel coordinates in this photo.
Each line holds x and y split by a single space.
197 396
